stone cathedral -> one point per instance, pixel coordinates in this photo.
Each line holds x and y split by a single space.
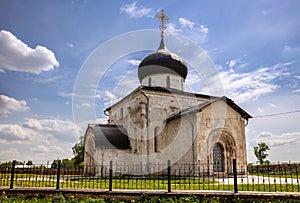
160 121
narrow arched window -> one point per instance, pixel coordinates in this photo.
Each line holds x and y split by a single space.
121 113
156 139
149 81
168 82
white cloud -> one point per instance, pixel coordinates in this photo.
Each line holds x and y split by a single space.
197 33
70 45
296 91
274 140
10 154
136 12
283 146
125 84
273 105
15 55
110 98
51 138
134 62
250 86
63 130
87 105
65 94
290 49
102 120
48 149
171 28
194 82
231 63
264 12
186 23
8 104
13 132
239 63
260 110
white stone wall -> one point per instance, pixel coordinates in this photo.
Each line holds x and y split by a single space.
134 118
160 80
217 122
220 123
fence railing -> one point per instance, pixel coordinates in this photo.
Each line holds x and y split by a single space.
201 176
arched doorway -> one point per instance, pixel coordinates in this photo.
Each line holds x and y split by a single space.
218 157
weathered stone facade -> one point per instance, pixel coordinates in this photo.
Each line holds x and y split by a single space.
165 123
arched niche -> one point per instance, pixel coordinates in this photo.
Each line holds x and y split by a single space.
221 150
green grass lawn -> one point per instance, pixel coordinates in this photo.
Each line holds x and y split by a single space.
142 199
25 180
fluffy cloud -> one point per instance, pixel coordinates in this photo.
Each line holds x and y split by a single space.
296 91
61 130
171 28
134 62
136 12
8 104
51 138
52 130
249 86
13 133
197 33
242 87
274 140
186 23
231 63
17 56
48 149
109 98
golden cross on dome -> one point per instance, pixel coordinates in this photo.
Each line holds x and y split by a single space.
162 18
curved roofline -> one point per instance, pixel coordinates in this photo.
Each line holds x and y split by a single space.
162 57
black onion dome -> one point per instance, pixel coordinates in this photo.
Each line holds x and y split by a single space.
166 62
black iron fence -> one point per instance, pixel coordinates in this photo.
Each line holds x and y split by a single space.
201 176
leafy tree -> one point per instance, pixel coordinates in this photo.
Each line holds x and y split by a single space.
77 160
260 152
29 163
54 164
9 164
67 163
78 151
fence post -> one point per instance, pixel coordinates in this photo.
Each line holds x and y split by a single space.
235 176
208 168
12 174
110 175
169 176
58 174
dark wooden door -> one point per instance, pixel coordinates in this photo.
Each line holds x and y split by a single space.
218 156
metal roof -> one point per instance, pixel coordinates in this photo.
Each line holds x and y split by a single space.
162 61
198 108
110 136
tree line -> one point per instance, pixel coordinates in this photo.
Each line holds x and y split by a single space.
77 161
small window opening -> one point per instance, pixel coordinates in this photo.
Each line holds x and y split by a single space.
168 81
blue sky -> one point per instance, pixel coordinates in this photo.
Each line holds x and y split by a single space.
255 46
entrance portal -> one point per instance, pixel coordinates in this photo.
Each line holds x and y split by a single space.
218 156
